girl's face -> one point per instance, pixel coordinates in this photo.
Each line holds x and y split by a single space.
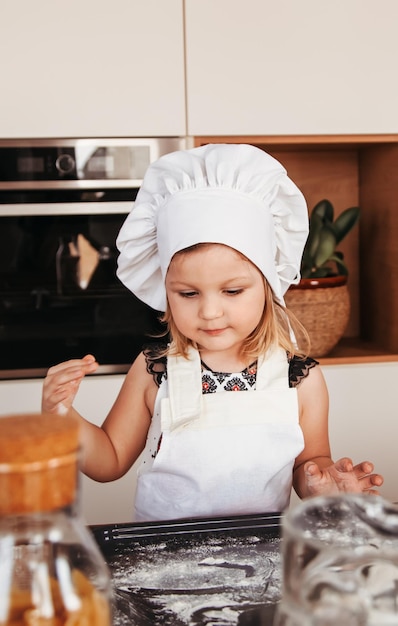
216 297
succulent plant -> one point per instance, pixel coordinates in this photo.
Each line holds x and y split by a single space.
320 257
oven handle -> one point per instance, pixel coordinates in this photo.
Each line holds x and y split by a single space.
81 184
40 372
66 208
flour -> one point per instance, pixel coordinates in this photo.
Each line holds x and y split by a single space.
193 582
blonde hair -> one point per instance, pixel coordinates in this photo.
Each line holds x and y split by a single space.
275 327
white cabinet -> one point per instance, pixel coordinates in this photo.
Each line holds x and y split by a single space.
260 67
92 68
253 67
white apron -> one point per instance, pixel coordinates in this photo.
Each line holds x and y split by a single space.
224 453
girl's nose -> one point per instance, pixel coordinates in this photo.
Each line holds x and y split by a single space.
210 308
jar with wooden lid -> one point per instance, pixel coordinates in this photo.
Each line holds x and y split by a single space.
52 572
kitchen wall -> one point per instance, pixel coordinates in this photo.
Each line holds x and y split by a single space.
363 425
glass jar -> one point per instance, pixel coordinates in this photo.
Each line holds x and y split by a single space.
340 562
52 572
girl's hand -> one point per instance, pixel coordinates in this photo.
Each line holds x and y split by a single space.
341 476
62 383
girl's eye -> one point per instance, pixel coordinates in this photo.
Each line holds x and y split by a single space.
188 294
233 292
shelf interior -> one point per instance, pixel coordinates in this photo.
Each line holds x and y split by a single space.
352 171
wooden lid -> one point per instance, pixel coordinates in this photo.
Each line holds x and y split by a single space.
36 437
38 462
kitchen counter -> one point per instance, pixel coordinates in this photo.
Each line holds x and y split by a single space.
194 572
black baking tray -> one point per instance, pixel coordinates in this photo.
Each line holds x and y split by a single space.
195 572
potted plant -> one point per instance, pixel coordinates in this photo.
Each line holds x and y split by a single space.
321 300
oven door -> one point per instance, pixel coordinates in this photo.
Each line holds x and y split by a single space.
62 203
59 294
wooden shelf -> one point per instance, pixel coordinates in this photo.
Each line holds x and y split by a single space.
304 142
352 170
352 350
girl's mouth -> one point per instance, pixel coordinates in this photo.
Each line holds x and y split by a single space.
214 332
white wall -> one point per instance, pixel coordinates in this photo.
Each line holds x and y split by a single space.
363 424
364 417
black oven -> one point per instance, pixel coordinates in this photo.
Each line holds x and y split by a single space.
62 203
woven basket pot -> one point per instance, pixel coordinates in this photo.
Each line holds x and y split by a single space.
323 307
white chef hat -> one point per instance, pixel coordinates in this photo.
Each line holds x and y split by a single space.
233 194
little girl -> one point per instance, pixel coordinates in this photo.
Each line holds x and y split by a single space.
231 412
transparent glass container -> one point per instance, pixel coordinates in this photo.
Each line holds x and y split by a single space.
340 562
52 572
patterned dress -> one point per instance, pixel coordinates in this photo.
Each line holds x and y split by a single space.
212 382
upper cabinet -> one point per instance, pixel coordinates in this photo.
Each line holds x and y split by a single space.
260 67
89 68
197 67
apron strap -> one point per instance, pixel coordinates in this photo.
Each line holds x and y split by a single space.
185 388
184 377
273 370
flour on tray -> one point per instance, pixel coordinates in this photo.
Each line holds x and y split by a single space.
194 582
